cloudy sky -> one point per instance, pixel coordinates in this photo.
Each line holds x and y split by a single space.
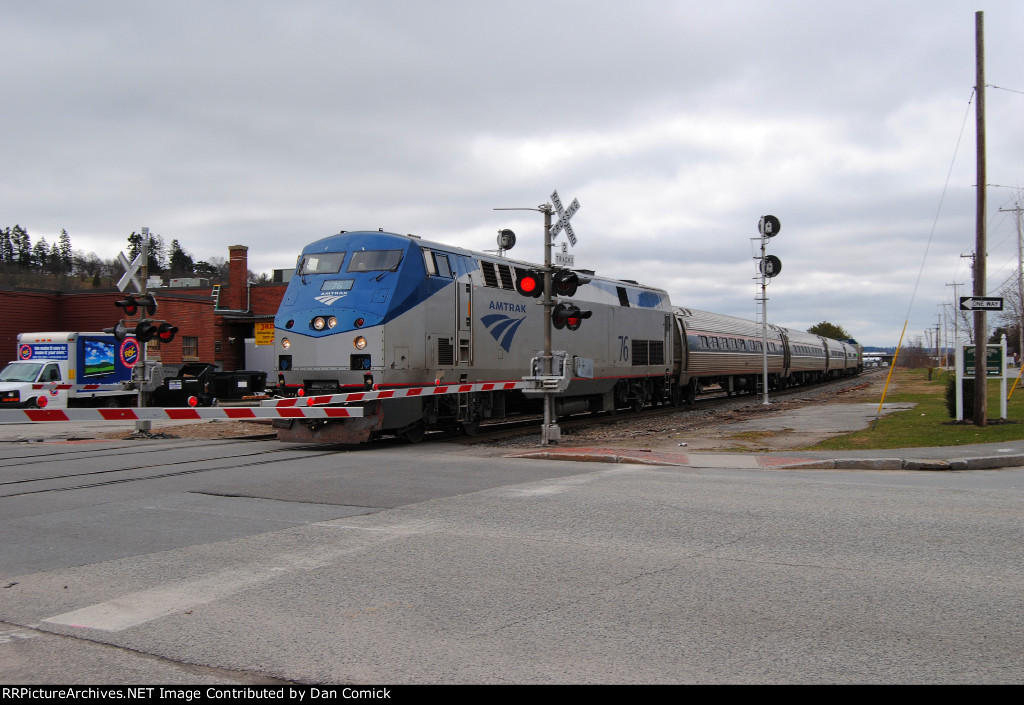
675 124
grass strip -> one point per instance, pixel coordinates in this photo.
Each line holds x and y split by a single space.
928 423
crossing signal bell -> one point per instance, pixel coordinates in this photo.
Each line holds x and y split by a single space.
529 282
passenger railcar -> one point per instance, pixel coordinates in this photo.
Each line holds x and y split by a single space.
716 349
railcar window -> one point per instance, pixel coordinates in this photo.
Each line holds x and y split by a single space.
428 263
374 260
623 296
325 263
704 341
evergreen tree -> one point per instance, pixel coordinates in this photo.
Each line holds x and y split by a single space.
180 262
22 246
155 254
6 248
67 255
829 330
134 245
41 255
55 264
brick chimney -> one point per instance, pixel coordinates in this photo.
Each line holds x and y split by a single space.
238 278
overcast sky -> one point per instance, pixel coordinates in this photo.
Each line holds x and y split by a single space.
675 124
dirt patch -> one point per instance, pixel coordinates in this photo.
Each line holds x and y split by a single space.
205 430
716 429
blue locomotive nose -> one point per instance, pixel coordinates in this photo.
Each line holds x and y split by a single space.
335 291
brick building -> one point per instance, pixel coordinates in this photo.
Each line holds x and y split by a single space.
213 321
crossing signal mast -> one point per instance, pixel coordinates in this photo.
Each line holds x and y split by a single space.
551 282
146 328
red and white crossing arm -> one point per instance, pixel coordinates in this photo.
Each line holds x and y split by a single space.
312 407
239 413
376 394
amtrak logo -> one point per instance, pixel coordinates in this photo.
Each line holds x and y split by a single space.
329 299
502 328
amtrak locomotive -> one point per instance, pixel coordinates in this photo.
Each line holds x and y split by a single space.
382 311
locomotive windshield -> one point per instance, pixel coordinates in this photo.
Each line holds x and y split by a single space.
325 263
374 260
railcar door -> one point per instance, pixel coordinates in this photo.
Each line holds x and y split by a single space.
464 308
440 323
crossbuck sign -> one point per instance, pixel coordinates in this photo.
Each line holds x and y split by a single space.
563 218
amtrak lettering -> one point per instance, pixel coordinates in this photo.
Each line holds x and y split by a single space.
503 306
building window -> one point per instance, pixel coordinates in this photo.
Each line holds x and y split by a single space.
189 348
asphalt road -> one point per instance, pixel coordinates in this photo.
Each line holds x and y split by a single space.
240 562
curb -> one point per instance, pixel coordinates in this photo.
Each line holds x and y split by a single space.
610 455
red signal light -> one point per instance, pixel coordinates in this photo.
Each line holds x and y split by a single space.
166 332
129 304
529 282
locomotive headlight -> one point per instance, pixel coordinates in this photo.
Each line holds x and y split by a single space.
285 343
319 323
331 322
359 342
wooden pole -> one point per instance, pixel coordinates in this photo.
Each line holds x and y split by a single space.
980 254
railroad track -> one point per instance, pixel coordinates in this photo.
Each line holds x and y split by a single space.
497 431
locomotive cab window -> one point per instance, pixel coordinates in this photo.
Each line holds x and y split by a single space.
437 264
324 263
374 260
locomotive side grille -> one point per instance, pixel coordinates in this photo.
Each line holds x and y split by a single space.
498 276
490 276
657 353
506 276
445 352
640 352
648 352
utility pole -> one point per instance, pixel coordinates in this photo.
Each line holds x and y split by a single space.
956 310
980 247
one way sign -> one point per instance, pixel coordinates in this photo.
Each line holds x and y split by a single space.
981 303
